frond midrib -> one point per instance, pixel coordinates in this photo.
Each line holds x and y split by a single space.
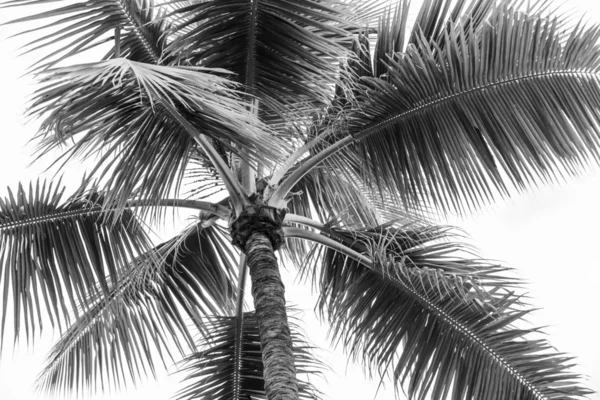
89 323
138 33
237 384
62 215
105 304
432 102
474 338
251 57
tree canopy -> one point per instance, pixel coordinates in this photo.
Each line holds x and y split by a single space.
335 134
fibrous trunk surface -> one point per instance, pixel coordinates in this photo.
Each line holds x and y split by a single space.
269 300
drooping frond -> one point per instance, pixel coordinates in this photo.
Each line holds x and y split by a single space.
56 252
201 179
458 120
152 311
436 323
230 365
126 109
337 187
284 52
336 195
69 29
329 195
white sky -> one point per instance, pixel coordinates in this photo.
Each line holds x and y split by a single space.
549 236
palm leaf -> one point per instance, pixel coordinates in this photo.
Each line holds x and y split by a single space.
391 38
436 323
468 116
81 25
147 315
56 252
284 52
436 16
337 196
327 195
230 367
432 20
126 109
201 178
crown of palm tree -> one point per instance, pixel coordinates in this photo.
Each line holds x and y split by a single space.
333 124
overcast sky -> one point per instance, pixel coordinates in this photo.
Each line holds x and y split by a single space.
550 236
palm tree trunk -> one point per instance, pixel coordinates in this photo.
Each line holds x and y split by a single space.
269 301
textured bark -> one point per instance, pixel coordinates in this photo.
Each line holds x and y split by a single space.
269 301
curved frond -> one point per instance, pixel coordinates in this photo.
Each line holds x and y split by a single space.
67 29
329 195
284 52
125 109
460 120
336 195
152 310
230 367
202 179
56 252
438 324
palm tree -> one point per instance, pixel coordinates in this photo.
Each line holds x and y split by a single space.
332 131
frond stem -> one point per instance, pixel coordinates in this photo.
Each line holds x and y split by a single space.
216 209
291 161
300 233
300 219
117 42
236 192
248 173
279 194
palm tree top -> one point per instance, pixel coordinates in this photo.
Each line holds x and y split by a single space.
335 131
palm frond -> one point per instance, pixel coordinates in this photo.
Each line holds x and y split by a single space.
391 38
432 21
436 16
230 367
126 108
438 324
336 193
56 252
201 178
284 52
396 29
337 196
459 120
328 195
151 311
337 187
69 29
